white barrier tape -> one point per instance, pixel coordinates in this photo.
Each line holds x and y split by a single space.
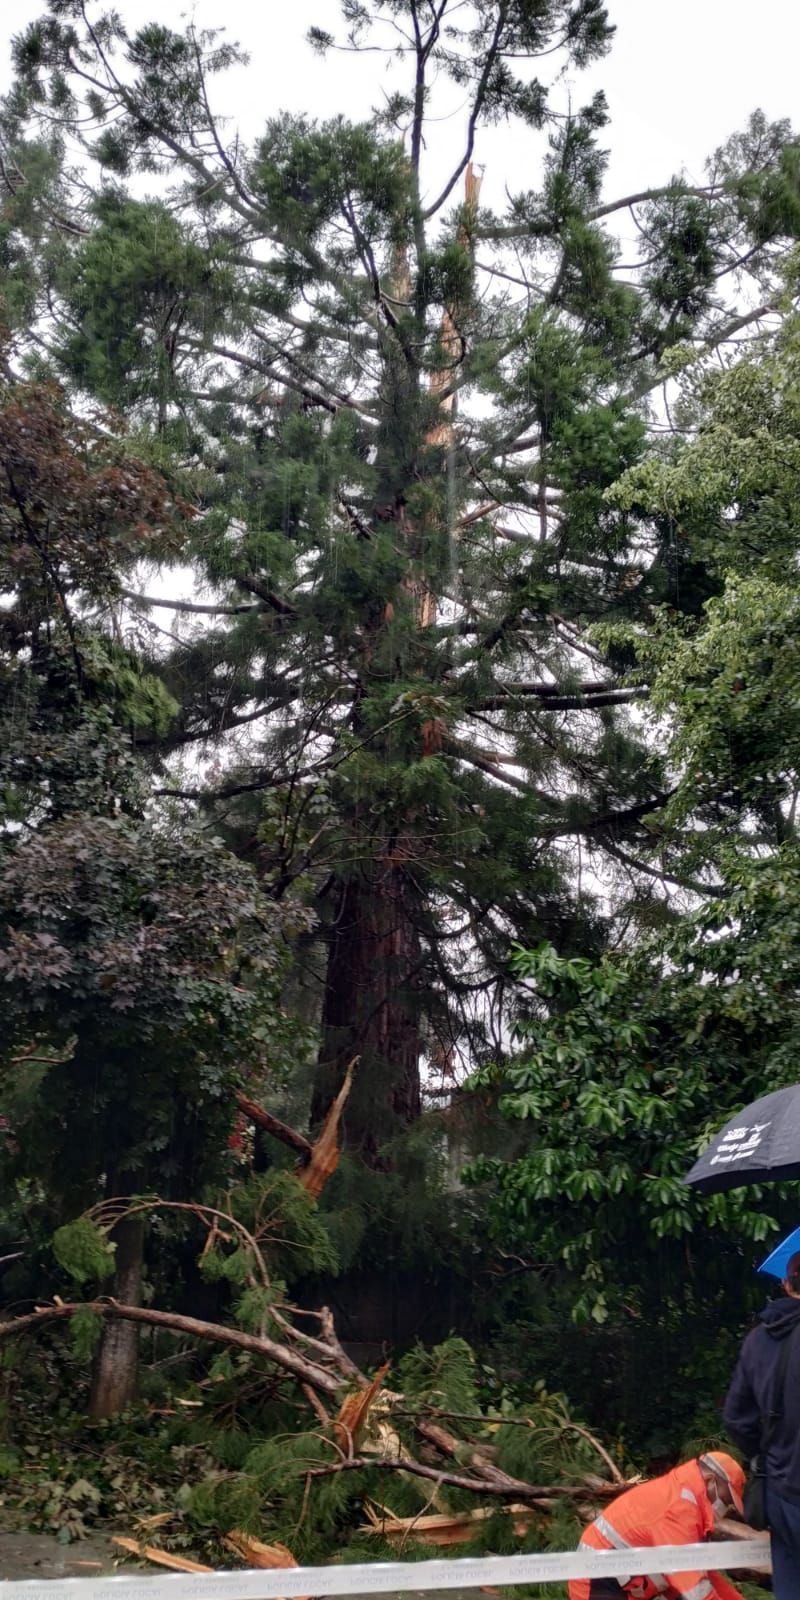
383 1577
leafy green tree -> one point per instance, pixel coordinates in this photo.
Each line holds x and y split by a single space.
725 681
621 1074
624 1071
624 1068
139 961
399 410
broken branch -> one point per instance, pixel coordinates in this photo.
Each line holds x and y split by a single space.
270 1124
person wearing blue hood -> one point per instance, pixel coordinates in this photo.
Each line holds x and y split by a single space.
752 1400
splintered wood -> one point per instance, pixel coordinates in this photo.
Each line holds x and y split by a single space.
324 1157
442 1529
354 1414
161 1558
265 1557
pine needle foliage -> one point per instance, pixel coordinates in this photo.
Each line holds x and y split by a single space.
397 410
443 1377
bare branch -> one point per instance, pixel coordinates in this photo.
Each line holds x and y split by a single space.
300 1368
188 605
275 602
480 95
716 890
270 1124
539 227
678 190
491 763
511 1489
555 699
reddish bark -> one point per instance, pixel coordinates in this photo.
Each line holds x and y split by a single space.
370 1009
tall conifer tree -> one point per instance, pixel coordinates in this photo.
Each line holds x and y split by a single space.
398 410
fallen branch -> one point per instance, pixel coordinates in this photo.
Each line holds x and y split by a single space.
323 1416
270 1124
264 1557
730 1528
575 1427
487 1480
297 1365
512 1489
481 1458
442 1529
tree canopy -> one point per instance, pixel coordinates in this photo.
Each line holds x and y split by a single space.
398 725
398 413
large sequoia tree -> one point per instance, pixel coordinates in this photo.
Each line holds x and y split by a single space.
398 411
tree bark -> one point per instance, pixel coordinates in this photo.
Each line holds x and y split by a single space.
264 1120
300 1367
371 1004
370 1010
116 1363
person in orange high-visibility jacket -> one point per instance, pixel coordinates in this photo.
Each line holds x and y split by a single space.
679 1508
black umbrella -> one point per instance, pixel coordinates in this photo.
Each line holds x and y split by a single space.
759 1145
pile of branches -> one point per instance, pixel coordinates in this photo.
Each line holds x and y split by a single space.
361 1421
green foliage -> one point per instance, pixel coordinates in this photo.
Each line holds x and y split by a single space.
268 1496
127 286
140 963
277 1203
541 1442
280 1224
127 946
70 1477
726 679
618 1091
83 1250
443 1377
229 1501
417 630
300 396
306 175
624 1067
85 1328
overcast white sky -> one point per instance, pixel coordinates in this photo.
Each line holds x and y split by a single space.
682 75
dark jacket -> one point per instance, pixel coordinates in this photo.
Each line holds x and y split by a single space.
752 1395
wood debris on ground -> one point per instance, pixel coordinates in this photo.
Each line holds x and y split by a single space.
264 1556
442 1528
161 1558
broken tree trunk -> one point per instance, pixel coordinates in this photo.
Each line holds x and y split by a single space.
318 1161
325 1151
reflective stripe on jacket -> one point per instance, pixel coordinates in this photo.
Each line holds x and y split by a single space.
673 1509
